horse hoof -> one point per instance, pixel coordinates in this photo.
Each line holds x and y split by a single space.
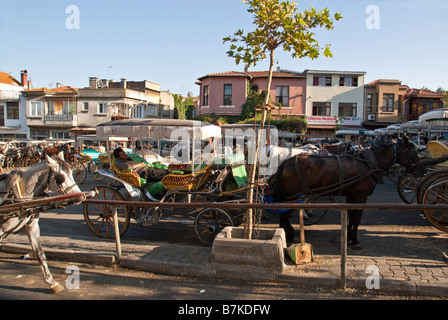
355 245
56 288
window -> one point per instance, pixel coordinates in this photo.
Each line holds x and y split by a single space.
347 109
12 110
206 95
282 96
321 109
348 81
102 108
151 110
36 109
55 134
388 102
322 81
2 115
139 112
227 95
69 108
369 102
85 106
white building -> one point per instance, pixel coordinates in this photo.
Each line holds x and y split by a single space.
12 111
334 98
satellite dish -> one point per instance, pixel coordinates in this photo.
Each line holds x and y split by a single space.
190 94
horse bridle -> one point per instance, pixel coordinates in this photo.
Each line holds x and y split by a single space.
405 152
53 174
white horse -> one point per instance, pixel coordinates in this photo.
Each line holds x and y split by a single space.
26 184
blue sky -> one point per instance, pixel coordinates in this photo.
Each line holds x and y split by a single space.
174 42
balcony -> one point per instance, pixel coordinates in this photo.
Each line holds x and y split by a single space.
65 120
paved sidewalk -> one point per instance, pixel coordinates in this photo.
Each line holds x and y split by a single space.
398 276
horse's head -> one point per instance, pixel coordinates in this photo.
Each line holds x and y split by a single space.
406 153
63 181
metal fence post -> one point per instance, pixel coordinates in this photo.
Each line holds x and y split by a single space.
117 233
343 249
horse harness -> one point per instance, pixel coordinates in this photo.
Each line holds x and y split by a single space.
367 156
14 195
58 181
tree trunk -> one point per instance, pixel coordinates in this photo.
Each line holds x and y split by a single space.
253 167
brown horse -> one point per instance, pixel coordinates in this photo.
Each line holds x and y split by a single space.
352 175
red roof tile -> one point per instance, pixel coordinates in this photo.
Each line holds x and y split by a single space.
8 79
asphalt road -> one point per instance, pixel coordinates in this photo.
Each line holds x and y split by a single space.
394 233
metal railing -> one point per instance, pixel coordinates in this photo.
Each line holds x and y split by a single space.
342 207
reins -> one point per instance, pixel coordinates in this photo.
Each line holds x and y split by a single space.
372 164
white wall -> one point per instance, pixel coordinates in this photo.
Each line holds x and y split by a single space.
335 94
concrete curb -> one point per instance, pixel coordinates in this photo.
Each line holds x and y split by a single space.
63 254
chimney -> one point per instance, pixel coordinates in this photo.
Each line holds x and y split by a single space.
58 85
123 83
24 78
93 83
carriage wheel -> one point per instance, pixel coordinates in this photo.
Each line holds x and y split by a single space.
395 172
407 187
99 217
79 172
94 170
210 222
427 181
437 193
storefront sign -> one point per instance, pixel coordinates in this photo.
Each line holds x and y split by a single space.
321 120
351 121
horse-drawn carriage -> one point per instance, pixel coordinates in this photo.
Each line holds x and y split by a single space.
196 176
429 186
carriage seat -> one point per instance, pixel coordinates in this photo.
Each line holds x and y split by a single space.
129 176
438 149
132 177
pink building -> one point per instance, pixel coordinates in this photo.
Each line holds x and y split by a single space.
225 93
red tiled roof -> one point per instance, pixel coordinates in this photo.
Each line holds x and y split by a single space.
253 74
276 74
64 89
8 79
423 92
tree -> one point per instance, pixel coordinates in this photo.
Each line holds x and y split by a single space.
181 106
278 24
254 99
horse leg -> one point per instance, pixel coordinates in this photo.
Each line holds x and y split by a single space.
32 230
285 223
354 220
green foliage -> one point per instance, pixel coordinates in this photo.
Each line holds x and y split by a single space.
280 24
182 107
254 99
290 124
